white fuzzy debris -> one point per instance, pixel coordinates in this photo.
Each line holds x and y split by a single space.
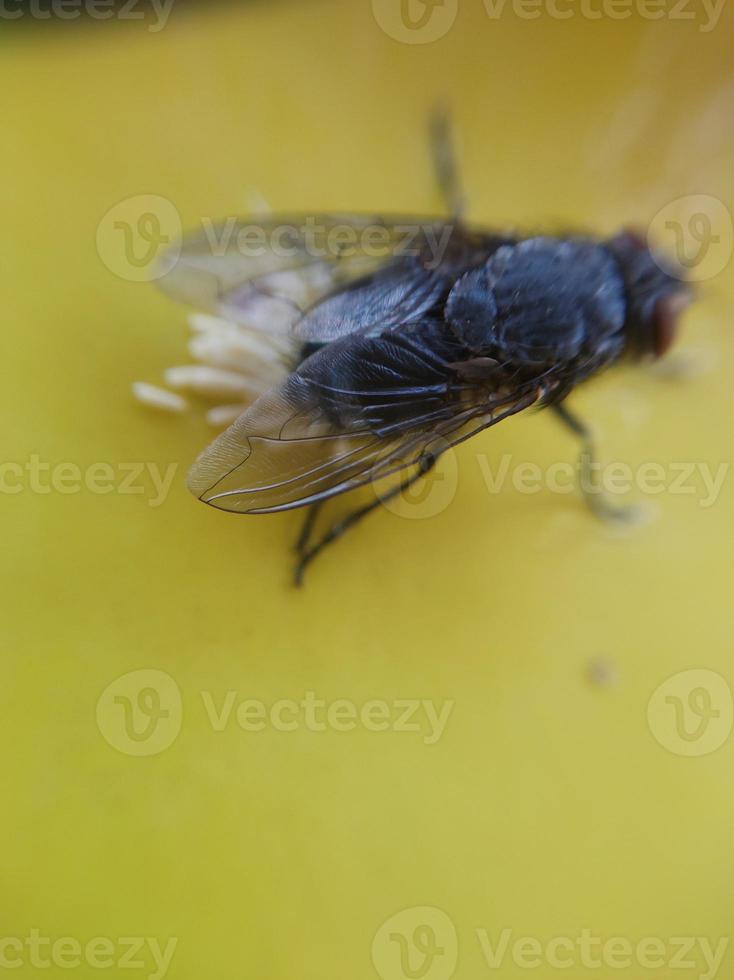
266 341
155 397
205 323
230 347
241 345
300 286
223 415
270 314
210 381
235 365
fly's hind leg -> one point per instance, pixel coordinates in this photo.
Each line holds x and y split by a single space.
590 484
308 554
307 527
445 161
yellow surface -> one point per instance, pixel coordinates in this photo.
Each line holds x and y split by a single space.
547 805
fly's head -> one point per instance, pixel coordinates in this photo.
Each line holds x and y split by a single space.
656 296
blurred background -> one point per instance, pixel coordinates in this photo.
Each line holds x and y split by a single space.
491 739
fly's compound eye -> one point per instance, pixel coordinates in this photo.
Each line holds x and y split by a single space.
632 239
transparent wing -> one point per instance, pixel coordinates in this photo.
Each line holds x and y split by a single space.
357 411
401 291
343 271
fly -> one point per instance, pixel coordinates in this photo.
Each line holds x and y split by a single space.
403 350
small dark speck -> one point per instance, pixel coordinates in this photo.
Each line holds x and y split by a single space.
602 672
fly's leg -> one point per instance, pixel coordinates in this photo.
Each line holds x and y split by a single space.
307 555
590 484
443 151
307 527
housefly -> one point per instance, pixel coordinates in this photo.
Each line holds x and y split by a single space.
410 336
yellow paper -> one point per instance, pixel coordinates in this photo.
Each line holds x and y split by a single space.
158 785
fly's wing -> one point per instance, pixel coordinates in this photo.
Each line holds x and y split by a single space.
344 272
399 292
358 410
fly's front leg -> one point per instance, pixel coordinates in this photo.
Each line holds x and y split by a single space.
589 477
308 554
445 163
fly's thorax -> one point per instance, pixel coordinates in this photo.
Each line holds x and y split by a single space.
542 302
